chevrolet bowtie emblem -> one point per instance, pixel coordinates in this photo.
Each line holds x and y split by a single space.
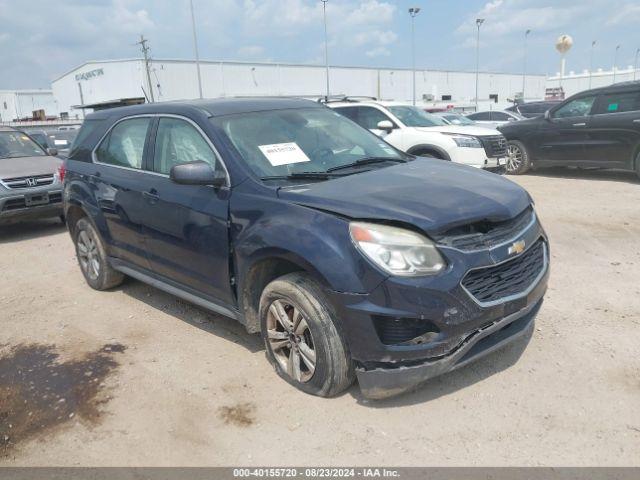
517 247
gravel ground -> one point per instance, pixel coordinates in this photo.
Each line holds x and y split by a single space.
136 377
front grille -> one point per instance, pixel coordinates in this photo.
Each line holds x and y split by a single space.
494 145
513 277
28 182
483 235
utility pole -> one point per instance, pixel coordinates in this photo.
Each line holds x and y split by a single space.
326 46
479 22
524 67
635 65
145 53
195 47
593 44
413 11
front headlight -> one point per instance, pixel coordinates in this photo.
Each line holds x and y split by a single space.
468 142
396 250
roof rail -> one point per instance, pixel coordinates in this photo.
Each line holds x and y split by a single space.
345 98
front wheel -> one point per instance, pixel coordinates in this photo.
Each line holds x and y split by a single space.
518 161
301 336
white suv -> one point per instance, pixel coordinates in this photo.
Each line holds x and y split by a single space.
417 132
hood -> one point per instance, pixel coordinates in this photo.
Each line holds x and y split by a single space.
461 129
528 124
433 195
28 166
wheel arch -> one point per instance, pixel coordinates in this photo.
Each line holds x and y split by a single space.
429 148
265 268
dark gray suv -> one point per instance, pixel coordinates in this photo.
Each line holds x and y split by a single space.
30 185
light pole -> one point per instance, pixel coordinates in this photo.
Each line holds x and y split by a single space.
195 47
326 45
524 67
635 64
479 22
593 44
615 62
413 11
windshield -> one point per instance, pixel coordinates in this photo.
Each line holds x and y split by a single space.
296 141
459 120
17 144
416 117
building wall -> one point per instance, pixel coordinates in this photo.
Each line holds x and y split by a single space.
21 103
578 82
176 80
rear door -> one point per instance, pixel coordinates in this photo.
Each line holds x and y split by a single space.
614 130
561 138
186 230
118 182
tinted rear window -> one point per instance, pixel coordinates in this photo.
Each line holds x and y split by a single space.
619 102
86 139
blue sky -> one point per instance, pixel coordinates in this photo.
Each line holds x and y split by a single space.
55 36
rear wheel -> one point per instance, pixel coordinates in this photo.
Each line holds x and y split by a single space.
92 257
518 161
301 337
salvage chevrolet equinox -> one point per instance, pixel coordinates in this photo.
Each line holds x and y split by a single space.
351 258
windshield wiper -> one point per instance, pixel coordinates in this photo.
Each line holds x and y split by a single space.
366 161
301 175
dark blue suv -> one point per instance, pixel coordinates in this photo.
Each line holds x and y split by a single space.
351 258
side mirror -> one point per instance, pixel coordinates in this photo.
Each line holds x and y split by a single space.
385 125
52 151
197 173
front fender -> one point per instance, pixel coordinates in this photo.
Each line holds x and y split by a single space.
317 241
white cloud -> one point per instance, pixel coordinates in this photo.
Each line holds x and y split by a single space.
628 13
251 51
378 52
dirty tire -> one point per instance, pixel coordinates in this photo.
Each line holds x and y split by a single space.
518 161
301 297
92 258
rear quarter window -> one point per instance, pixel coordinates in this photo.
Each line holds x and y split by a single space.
619 102
88 136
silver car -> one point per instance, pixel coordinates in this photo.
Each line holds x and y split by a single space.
30 178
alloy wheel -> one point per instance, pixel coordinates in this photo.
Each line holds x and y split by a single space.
88 254
514 160
291 341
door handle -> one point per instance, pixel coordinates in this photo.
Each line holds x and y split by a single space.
580 124
152 195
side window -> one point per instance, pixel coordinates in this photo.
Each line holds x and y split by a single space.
619 102
350 112
580 107
124 145
499 116
480 116
369 117
177 141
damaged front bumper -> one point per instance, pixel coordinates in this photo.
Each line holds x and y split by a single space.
386 382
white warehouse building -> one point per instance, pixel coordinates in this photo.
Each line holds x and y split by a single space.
17 104
111 80
573 82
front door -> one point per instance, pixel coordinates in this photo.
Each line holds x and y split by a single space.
187 234
118 182
561 138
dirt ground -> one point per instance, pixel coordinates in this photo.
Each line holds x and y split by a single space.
136 377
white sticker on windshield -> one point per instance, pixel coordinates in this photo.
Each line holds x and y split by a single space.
283 153
387 148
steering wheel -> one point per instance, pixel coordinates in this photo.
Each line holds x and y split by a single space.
322 154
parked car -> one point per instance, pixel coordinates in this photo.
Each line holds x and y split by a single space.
63 140
30 185
532 109
452 118
351 258
494 118
417 132
595 128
